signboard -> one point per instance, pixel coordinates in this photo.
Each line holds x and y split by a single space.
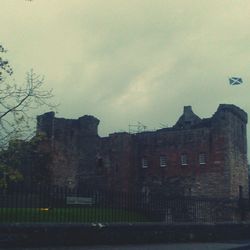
74 200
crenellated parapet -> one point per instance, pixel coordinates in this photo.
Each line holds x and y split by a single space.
52 126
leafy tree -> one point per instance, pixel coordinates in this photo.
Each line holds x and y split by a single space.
31 158
9 174
17 101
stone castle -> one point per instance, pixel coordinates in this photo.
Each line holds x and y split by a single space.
196 157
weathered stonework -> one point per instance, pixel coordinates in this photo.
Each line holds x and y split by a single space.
200 157
73 145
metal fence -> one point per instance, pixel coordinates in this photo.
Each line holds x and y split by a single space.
62 205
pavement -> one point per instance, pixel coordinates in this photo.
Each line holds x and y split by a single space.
235 245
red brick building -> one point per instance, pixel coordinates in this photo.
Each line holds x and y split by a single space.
196 157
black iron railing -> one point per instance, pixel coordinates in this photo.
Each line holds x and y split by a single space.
61 205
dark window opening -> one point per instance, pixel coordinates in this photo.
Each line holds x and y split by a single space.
99 167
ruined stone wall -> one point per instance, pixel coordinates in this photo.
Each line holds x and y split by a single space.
74 145
221 139
132 162
118 152
124 154
176 178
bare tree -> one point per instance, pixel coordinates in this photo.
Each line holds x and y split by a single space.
17 102
17 105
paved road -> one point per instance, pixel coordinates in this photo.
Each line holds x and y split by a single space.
185 246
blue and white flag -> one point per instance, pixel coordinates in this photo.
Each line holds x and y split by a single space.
235 80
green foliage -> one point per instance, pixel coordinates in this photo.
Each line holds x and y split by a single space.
25 161
9 174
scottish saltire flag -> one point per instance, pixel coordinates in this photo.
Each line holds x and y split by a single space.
235 80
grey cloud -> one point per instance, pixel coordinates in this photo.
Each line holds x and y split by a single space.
129 61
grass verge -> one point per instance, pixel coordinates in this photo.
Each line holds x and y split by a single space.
68 215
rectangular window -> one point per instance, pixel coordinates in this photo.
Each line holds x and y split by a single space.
202 158
163 161
144 163
184 159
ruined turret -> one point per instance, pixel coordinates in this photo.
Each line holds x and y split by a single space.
187 119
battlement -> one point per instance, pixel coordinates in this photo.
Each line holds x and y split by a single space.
47 124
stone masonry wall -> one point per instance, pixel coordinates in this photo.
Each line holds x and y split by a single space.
132 162
74 145
236 156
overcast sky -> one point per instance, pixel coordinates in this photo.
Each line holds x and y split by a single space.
134 60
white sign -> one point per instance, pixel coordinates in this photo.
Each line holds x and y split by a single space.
74 200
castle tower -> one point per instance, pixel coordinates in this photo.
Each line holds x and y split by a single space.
73 146
230 147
